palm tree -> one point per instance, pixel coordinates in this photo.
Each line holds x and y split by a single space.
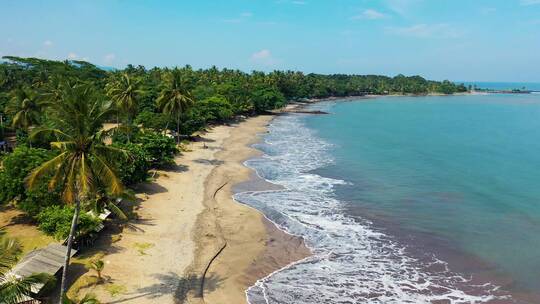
26 108
174 98
13 289
83 164
98 266
125 93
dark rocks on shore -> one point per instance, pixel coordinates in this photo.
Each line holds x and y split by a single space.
309 112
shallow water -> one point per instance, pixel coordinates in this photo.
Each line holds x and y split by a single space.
406 200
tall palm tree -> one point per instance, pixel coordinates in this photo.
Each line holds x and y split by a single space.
125 92
26 108
175 98
13 289
83 164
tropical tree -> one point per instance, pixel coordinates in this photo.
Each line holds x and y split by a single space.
125 92
98 266
83 164
175 97
13 289
25 107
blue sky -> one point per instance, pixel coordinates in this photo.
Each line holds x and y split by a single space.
469 40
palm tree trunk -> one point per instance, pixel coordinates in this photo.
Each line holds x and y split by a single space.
128 128
63 286
178 129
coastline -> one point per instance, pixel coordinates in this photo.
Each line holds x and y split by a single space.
190 241
235 244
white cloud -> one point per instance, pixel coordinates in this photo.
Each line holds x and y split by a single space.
109 58
529 2
401 7
441 30
47 43
298 2
246 14
369 14
263 57
72 56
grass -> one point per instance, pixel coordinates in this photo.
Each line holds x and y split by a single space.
86 280
142 247
81 283
115 289
20 227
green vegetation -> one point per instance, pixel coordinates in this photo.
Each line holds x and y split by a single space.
56 221
115 289
67 164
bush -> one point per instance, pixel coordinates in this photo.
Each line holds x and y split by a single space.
16 166
35 200
124 133
151 120
191 122
56 221
215 108
133 168
267 98
159 149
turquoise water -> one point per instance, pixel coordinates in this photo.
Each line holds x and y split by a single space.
464 170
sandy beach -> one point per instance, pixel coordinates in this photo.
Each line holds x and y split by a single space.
191 242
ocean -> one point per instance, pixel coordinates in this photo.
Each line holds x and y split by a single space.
406 200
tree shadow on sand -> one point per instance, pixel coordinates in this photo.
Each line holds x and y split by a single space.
173 284
213 162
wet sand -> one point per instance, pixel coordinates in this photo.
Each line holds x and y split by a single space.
236 244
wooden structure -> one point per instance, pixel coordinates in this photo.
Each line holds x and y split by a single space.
49 260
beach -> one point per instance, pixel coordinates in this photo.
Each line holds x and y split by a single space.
191 242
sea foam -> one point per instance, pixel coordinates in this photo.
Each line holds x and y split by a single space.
352 261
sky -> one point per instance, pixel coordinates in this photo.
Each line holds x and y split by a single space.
459 40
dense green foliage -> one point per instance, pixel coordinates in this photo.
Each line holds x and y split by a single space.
133 168
15 167
56 221
159 150
136 89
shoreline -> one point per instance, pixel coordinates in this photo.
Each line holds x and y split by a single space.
236 244
190 241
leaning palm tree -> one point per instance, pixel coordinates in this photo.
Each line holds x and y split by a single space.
83 164
13 289
125 92
174 98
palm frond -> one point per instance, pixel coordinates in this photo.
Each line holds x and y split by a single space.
8 253
48 167
107 175
13 289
